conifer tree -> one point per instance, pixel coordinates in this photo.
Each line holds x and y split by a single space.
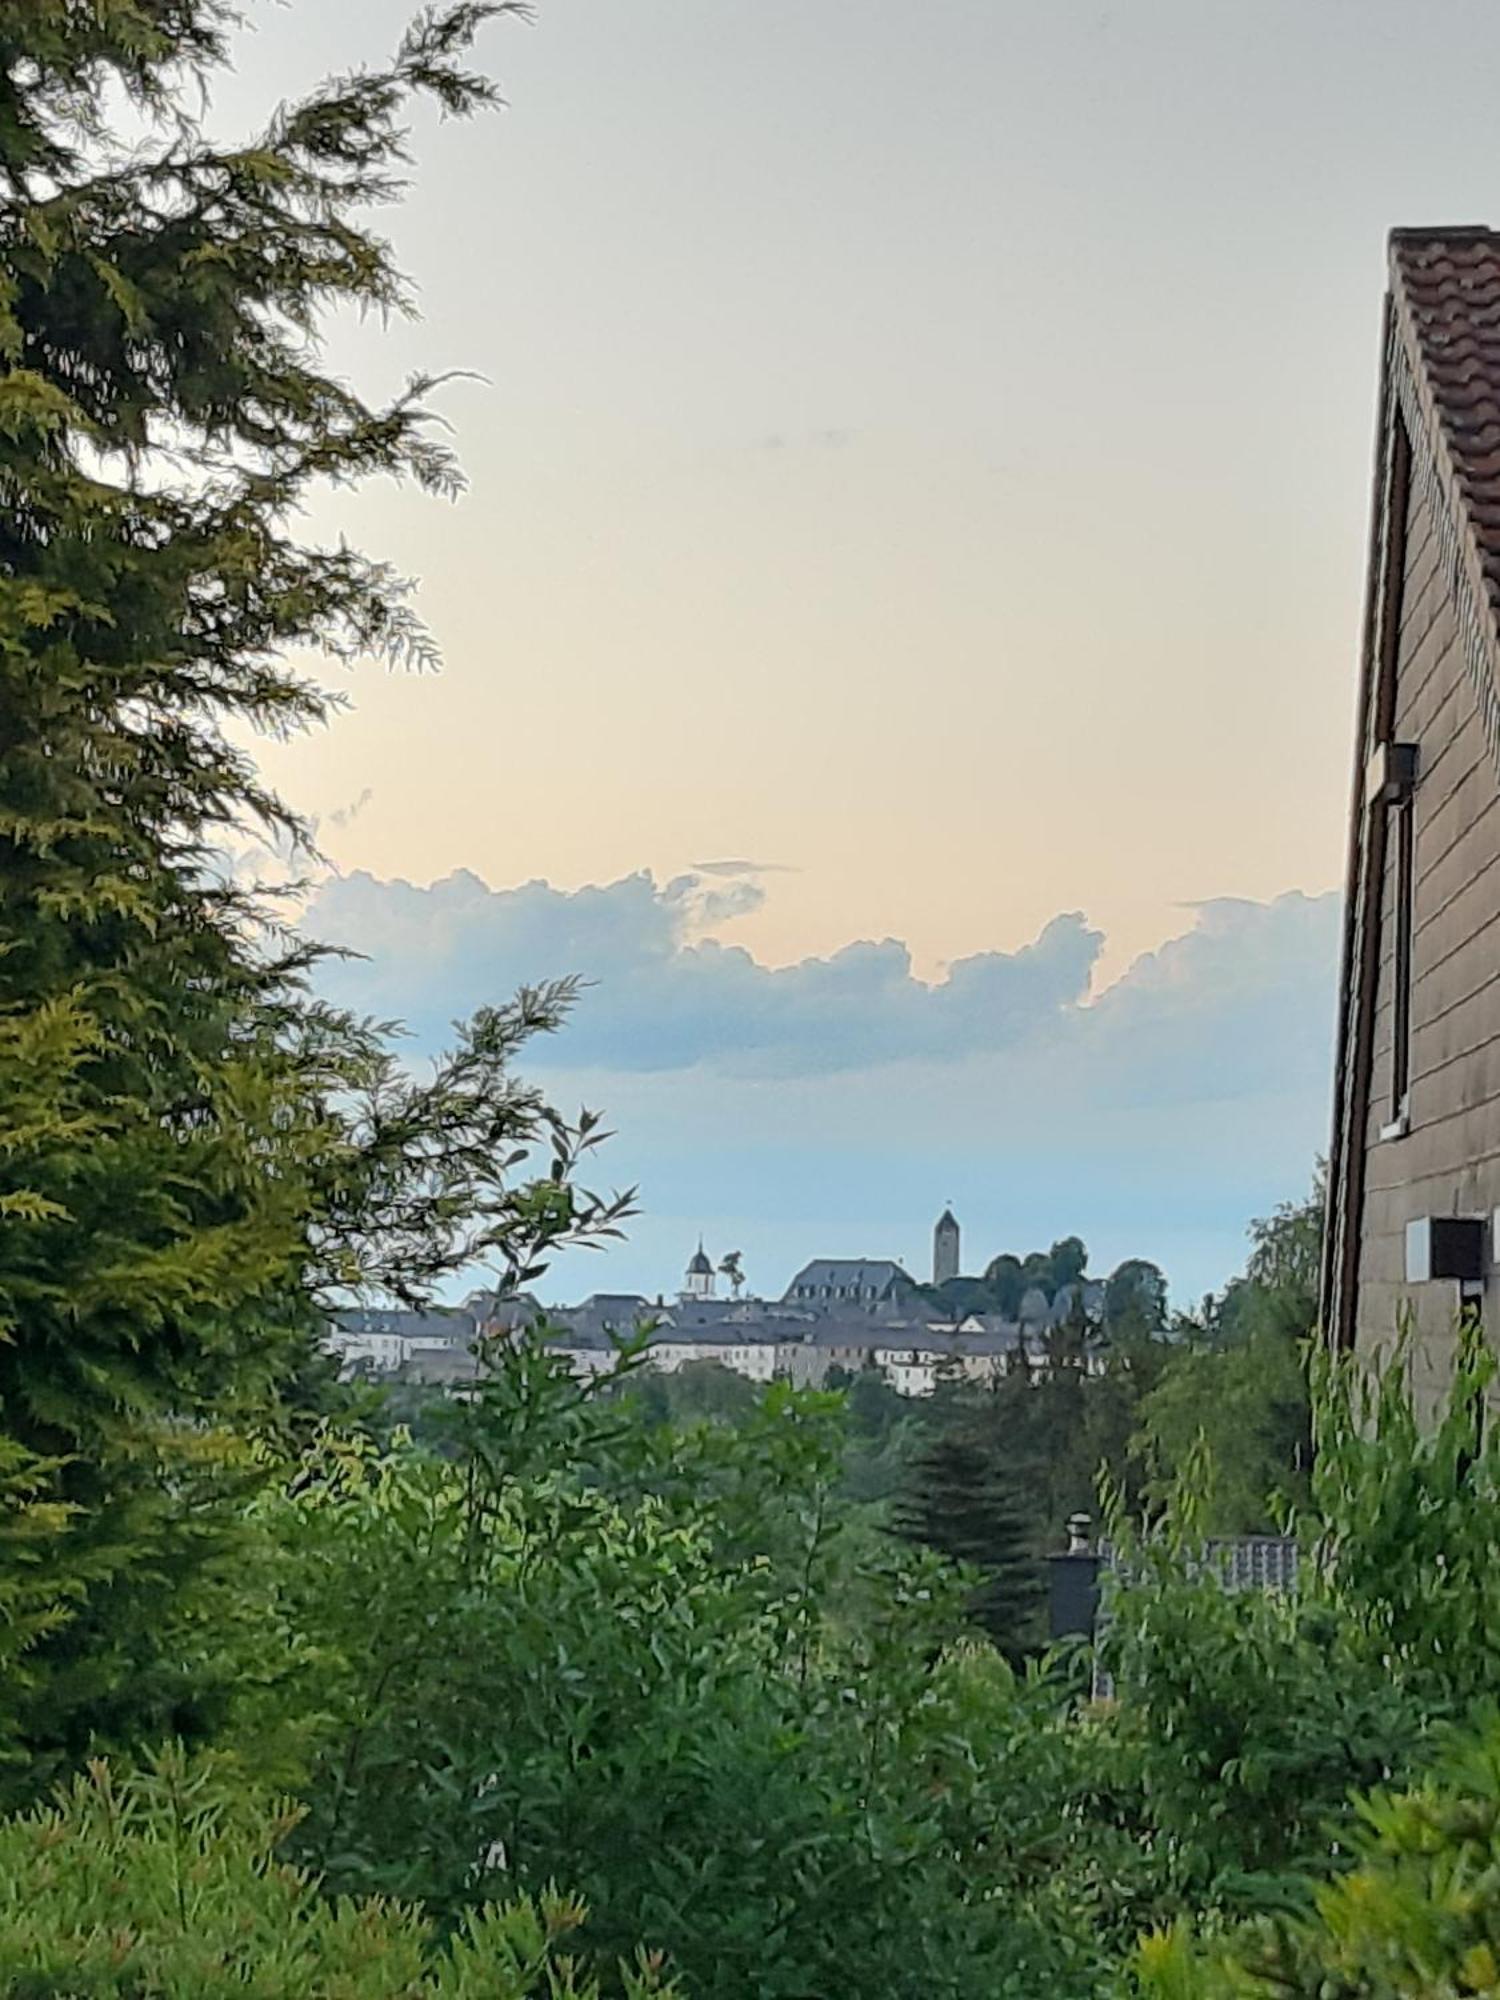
190 1148
961 1503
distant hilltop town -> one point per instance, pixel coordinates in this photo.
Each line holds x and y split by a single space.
837 1316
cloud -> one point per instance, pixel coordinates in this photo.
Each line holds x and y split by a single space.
344 816
835 1105
820 440
743 868
663 996
1240 1005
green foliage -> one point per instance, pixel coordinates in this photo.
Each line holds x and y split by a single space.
1246 1400
1415 1917
1053 1421
1004 1276
664 1667
1237 1383
732 1267
882 1432
1244 1720
697 1391
37 1584
168 1884
1407 1501
1247 1718
961 1503
1067 1262
191 1151
1134 1300
1135 1297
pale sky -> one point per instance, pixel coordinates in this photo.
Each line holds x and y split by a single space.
924 447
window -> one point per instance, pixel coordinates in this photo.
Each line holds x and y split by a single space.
1404 841
1390 789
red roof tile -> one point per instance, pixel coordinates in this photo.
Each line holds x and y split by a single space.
1445 284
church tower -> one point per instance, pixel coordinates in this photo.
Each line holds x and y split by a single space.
945 1248
700 1276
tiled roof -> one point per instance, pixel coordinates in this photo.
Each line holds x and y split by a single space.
863 1273
1445 284
440 1323
738 1333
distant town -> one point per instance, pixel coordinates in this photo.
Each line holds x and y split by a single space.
838 1315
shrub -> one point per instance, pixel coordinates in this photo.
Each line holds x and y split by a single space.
1247 1719
1416 1917
656 1665
166 1884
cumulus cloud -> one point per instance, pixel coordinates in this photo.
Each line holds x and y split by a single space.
1240 1005
664 996
835 1105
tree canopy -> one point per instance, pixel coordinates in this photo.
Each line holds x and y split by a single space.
192 1150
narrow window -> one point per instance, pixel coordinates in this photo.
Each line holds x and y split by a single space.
1403 834
1391 784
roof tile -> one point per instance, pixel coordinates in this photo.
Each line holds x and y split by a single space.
1446 284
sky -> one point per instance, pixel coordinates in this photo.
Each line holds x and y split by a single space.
900 633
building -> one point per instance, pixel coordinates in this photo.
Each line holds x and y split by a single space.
1414 1168
844 1285
746 1348
840 1316
501 1315
386 1340
945 1248
699 1282
604 1316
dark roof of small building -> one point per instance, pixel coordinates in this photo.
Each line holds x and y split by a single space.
438 1323
738 1333
926 1341
851 1333
711 1312
504 1309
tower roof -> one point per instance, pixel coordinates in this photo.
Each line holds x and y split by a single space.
700 1267
947 1220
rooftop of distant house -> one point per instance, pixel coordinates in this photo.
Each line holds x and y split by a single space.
862 1280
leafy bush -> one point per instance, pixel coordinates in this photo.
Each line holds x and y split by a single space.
1406 1501
1415 1917
167 1885
1246 1719
654 1665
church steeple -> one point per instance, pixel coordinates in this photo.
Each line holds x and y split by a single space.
945 1248
699 1282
